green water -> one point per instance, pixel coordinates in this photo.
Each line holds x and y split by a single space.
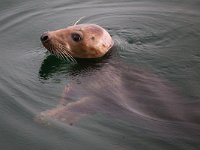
157 36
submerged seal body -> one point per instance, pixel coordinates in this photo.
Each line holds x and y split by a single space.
78 41
115 90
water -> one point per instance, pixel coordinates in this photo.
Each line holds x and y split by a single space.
158 37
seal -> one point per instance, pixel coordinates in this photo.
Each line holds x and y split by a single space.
114 90
78 41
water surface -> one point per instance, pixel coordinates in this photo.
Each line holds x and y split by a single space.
158 37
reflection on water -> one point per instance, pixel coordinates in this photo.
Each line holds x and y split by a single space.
145 95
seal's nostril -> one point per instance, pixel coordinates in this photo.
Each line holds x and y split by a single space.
44 37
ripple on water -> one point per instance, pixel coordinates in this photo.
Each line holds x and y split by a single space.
157 35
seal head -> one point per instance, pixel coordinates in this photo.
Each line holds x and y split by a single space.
78 41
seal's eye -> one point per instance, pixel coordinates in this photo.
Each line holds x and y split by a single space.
76 37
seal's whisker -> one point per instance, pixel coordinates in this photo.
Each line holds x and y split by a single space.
64 57
60 56
58 53
54 51
79 20
61 52
71 57
66 54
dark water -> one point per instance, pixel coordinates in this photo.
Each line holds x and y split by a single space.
157 47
